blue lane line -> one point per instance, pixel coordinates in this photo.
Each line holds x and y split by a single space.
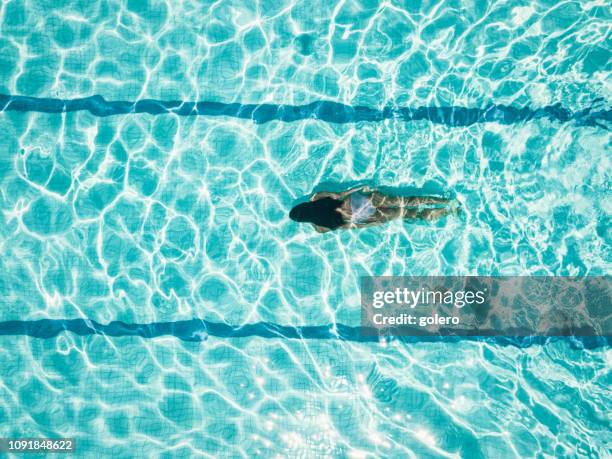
331 112
197 330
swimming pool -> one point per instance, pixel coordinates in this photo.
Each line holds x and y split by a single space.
155 217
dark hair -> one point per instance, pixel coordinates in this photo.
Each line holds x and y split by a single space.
301 212
321 212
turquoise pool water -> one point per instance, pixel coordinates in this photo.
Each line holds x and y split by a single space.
160 218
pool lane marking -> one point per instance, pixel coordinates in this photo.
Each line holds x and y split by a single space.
198 330
327 111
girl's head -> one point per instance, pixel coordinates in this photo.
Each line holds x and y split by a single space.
304 212
321 212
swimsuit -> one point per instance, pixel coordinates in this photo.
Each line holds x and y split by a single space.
361 207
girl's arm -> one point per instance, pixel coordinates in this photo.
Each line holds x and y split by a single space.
321 229
325 194
364 188
341 195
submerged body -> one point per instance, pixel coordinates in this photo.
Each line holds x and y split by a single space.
362 207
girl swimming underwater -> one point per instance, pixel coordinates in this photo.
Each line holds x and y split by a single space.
362 206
